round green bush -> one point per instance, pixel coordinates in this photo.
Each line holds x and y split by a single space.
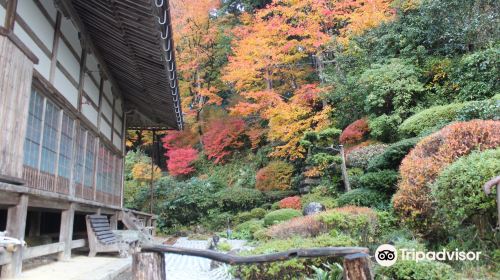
484 110
409 269
280 216
384 181
460 199
363 197
360 157
258 213
429 118
247 229
236 198
392 156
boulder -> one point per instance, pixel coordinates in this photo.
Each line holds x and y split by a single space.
313 208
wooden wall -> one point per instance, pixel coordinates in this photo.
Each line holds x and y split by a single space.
16 71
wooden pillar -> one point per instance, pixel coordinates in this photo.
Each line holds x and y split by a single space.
66 232
16 71
16 226
113 221
148 266
357 267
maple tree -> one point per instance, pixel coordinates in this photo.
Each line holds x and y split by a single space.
355 132
222 137
180 161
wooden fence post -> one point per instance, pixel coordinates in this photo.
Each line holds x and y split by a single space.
16 226
148 266
357 267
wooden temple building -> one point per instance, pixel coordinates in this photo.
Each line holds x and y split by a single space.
74 76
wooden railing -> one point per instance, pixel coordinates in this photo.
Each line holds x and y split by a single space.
149 264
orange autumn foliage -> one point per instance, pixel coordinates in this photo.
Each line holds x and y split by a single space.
433 154
292 202
355 132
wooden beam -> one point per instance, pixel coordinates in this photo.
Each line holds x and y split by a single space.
42 250
10 14
16 226
79 243
66 232
234 259
55 48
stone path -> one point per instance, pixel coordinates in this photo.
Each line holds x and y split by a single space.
195 268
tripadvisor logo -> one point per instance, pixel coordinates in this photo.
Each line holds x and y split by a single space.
387 255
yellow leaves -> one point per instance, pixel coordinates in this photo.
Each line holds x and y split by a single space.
364 15
141 172
289 121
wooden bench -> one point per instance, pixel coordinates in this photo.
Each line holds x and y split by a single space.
102 239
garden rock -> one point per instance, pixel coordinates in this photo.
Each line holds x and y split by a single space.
313 208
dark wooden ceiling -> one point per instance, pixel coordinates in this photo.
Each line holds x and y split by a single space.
127 35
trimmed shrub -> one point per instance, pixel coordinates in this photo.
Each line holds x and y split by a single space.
429 118
391 158
484 110
280 216
384 181
385 128
290 269
275 176
355 132
422 270
360 157
463 181
433 154
234 199
363 197
258 213
292 202
360 223
247 229
308 226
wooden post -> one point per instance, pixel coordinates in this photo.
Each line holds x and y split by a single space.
151 203
345 177
16 226
113 221
16 71
66 232
148 266
357 267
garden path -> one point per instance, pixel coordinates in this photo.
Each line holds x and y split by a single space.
195 268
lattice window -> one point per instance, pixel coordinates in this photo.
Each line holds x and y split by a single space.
66 147
89 161
34 130
50 138
80 156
